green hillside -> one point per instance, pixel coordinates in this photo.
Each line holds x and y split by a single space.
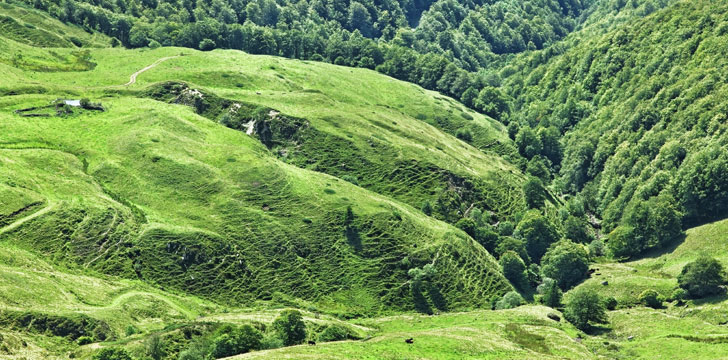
549 182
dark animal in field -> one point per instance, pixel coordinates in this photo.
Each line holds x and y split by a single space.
409 341
311 342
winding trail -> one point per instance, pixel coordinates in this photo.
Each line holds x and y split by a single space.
133 77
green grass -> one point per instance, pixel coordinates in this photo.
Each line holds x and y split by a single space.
153 191
519 333
694 331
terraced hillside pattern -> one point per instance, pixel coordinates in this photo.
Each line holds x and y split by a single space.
356 180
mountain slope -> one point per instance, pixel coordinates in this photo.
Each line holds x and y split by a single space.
154 191
641 113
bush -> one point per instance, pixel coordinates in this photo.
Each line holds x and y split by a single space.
154 44
534 193
585 306
84 340
335 332
679 295
514 269
207 45
464 135
130 330
236 340
596 248
271 341
565 262
610 303
552 295
112 353
76 41
702 277
154 347
510 300
290 327
651 299
538 232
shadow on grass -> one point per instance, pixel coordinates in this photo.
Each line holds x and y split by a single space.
597 330
714 299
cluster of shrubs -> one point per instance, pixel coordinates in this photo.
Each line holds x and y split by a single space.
229 340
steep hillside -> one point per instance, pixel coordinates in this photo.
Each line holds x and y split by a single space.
152 190
641 110
694 330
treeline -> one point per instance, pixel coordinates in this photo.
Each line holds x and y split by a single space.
444 53
641 113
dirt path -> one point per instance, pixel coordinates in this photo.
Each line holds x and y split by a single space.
23 220
133 77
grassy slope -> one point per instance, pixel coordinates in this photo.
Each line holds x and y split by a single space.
519 333
662 332
152 190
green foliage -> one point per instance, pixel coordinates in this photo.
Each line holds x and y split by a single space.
130 330
510 300
290 327
514 269
584 307
651 298
576 230
551 294
679 295
565 262
702 277
231 340
538 232
84 340
206 45
534 193
112 353
336 332
492 102
154 347
610 303
528 143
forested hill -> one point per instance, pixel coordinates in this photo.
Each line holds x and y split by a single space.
442 45
642 110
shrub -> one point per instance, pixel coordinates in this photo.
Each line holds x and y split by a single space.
464 135
83 340
510 300
552 295
76 41
207 45
650 298
235 340
679 295
154 44
596 248
514 269
702 277
534 193
565 262
271 341
585 306
350 178
154 347
335 332
538 232
113 353
130 330
290 327
610 303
